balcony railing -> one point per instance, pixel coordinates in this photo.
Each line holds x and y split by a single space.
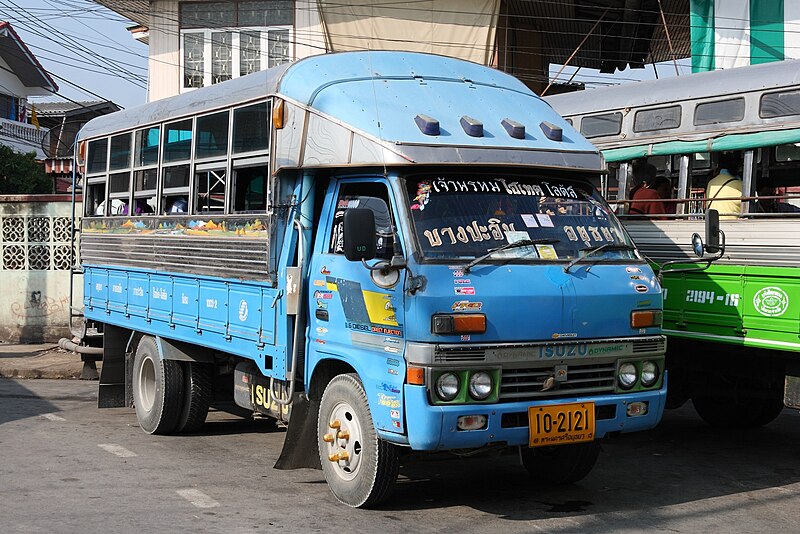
22 137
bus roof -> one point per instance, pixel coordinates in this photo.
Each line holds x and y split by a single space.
695 86
379 94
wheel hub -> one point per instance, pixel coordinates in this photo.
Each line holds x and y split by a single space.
343 441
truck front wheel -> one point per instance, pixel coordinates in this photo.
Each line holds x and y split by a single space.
563 464
157 389
360 468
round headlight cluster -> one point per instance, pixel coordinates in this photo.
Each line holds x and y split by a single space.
628 374
447 386
480 385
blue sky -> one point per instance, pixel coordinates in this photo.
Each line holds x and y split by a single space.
86 48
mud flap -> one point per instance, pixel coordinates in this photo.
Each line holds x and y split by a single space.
791 393
300 444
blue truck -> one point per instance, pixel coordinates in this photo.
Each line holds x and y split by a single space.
388 251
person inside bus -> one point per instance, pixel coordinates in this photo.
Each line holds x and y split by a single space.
663 187
772 205
645 197
727 186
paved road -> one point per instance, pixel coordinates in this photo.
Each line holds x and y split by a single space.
68 467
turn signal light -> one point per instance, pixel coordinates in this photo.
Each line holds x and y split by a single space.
462 323
415 376
645 318
278 114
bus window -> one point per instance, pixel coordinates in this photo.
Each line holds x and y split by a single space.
98 156
369 195
144 191
600 125
120 152
664 118
210 191
212 136
718 112
786 153
146 146
175 183
780 104
94 197
251 128
701 161
250 189
177 141
119 191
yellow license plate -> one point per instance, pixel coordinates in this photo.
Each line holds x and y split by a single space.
561 424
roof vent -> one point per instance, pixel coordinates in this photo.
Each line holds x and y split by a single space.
473 128
551 131
427 125
515 129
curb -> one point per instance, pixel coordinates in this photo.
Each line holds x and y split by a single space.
50 363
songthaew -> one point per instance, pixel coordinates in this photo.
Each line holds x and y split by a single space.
368 253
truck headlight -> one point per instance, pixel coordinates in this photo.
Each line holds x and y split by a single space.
480 385
626 376
650 373
447 386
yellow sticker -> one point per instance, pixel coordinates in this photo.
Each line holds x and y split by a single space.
547 252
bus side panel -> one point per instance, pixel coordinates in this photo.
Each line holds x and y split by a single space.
244 319
160 297
118 289
185 305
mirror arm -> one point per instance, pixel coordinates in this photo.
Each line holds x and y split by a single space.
707 261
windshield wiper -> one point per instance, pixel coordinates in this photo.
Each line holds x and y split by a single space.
591 251
515 244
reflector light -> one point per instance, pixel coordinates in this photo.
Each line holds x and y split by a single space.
645 318
277 114
415 376
551 131
462 323
515 129
427 125
636 409
472 127
471 422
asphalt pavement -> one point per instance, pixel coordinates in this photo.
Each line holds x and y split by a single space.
45 360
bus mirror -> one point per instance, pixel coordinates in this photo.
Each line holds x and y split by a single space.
697 245
359 234
712 231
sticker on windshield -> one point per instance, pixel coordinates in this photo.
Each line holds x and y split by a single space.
530 220
544 220
547 252
423 195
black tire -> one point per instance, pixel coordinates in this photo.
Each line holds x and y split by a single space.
772 408
564 464
157 389
726 411
197 389
368 475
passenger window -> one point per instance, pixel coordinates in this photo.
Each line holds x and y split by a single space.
210 191
373 196
250 189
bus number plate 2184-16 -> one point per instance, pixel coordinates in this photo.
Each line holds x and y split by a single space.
561 424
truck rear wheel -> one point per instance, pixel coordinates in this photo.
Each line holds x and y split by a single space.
157 389
563 464
360 468
197 388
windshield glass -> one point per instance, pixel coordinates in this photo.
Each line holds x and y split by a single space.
459 216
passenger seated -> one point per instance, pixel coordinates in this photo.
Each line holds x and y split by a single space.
772 205
644 195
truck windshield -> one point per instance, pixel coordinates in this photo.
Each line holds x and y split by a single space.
468 216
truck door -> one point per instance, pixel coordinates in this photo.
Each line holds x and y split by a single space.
353 315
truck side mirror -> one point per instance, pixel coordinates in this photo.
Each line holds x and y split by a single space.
358 229
712 231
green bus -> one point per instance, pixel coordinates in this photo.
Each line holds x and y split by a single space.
733 325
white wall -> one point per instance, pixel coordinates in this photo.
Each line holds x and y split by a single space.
35 299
